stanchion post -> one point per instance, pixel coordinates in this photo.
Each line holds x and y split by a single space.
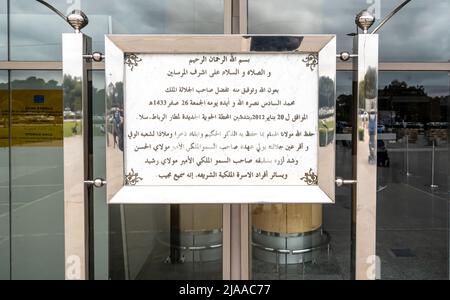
407 156
433 185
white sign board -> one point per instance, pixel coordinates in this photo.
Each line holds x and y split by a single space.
221 120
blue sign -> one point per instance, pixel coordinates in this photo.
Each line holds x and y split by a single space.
38 99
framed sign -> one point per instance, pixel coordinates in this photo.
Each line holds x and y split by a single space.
220 119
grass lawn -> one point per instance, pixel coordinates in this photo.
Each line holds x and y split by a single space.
68 125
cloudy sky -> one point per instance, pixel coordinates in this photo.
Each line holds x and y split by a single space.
420 32
36 31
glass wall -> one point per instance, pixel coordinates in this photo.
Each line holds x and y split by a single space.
171 241
320 234
36 31
4 178
99 171
325 228
3 30
37 207
419 32
413 175
166 242
412 236
147 235
153 241
152 16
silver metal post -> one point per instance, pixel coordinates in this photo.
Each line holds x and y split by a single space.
364 192
433 185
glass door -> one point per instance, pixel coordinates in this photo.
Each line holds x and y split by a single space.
166 242
147 241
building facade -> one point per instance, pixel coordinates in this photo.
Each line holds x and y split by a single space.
137 241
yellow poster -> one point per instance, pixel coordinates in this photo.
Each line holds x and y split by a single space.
37 118
4 121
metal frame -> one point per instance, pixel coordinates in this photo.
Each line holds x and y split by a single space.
77 163
364 152
321 51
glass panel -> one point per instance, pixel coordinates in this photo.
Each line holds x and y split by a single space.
37 219
152 16
423 30
3 30
316 236
100 206
412 216
151 241
420 30
36 31
4 178
166 242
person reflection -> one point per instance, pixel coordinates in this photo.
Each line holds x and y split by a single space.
116 122
117 128
120 131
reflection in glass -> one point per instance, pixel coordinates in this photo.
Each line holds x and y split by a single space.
99 171
412 217
4 178
420 30
36 31
308 241
152 17
37 219
166 242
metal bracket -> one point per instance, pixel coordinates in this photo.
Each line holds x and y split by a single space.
96 56
97 182
345 55
340 181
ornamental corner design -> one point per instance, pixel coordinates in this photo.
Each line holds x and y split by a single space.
310 178
132 178
132 60
312 60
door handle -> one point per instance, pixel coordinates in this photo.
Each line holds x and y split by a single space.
97 182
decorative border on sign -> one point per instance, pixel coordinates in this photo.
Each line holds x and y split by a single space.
132 60
312 60
132 178
310 178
